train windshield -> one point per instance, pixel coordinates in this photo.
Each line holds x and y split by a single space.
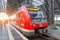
37 14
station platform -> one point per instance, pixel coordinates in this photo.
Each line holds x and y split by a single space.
55 32
8 32
3 33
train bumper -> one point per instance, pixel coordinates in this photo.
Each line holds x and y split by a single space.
42 31
30 33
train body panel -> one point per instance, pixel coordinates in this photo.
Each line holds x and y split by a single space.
24 19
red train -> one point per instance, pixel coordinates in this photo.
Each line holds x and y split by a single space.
31 21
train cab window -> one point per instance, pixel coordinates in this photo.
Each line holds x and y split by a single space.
37 14
41 14
33 13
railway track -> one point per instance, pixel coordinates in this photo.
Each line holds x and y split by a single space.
41 37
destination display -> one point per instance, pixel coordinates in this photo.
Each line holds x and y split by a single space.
33 9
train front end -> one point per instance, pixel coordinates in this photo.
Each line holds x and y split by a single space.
39 20
32 21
